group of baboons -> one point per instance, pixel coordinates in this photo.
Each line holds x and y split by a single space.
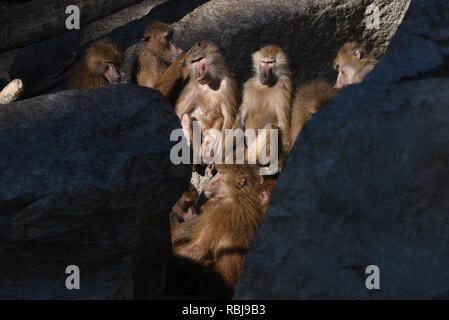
216 234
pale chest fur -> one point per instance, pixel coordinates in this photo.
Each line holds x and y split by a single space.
208 101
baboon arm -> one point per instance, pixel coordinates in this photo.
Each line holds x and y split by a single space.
196 249
186 101
243 112
283 123
228 117
172 76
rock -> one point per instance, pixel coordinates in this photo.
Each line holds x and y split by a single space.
86 180
309 31
37 21
58 54
366 183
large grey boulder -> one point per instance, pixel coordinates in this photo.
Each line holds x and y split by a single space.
367 183
310 31
86 180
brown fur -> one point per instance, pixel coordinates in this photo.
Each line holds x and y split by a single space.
308 100
90 70
268 106
222 233
184 210
158 53
353 63
174 79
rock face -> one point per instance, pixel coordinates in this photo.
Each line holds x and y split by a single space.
367 183
58 54
81 173
309 31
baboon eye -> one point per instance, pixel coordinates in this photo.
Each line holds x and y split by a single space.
146 39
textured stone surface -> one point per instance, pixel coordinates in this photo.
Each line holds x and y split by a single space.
58 54
367 183
35 21
86 179
309 31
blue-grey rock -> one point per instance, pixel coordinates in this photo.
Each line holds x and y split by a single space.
86 180
367 183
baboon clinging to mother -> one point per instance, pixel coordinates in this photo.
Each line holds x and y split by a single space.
219 238
98 68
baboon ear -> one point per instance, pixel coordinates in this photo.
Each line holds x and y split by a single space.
261 179
264 196
357 53
241 181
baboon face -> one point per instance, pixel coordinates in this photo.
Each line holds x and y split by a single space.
111 74
99 67
267 71
216 187
350 61
205 63
200 69
270 63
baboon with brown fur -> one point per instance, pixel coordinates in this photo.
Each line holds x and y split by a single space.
266 102
159 51
210 97
353 63
98 68
222 233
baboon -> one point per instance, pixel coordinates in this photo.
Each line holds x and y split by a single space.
210 97
184 209
353 63
158 52
266 102
222 233
98 68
